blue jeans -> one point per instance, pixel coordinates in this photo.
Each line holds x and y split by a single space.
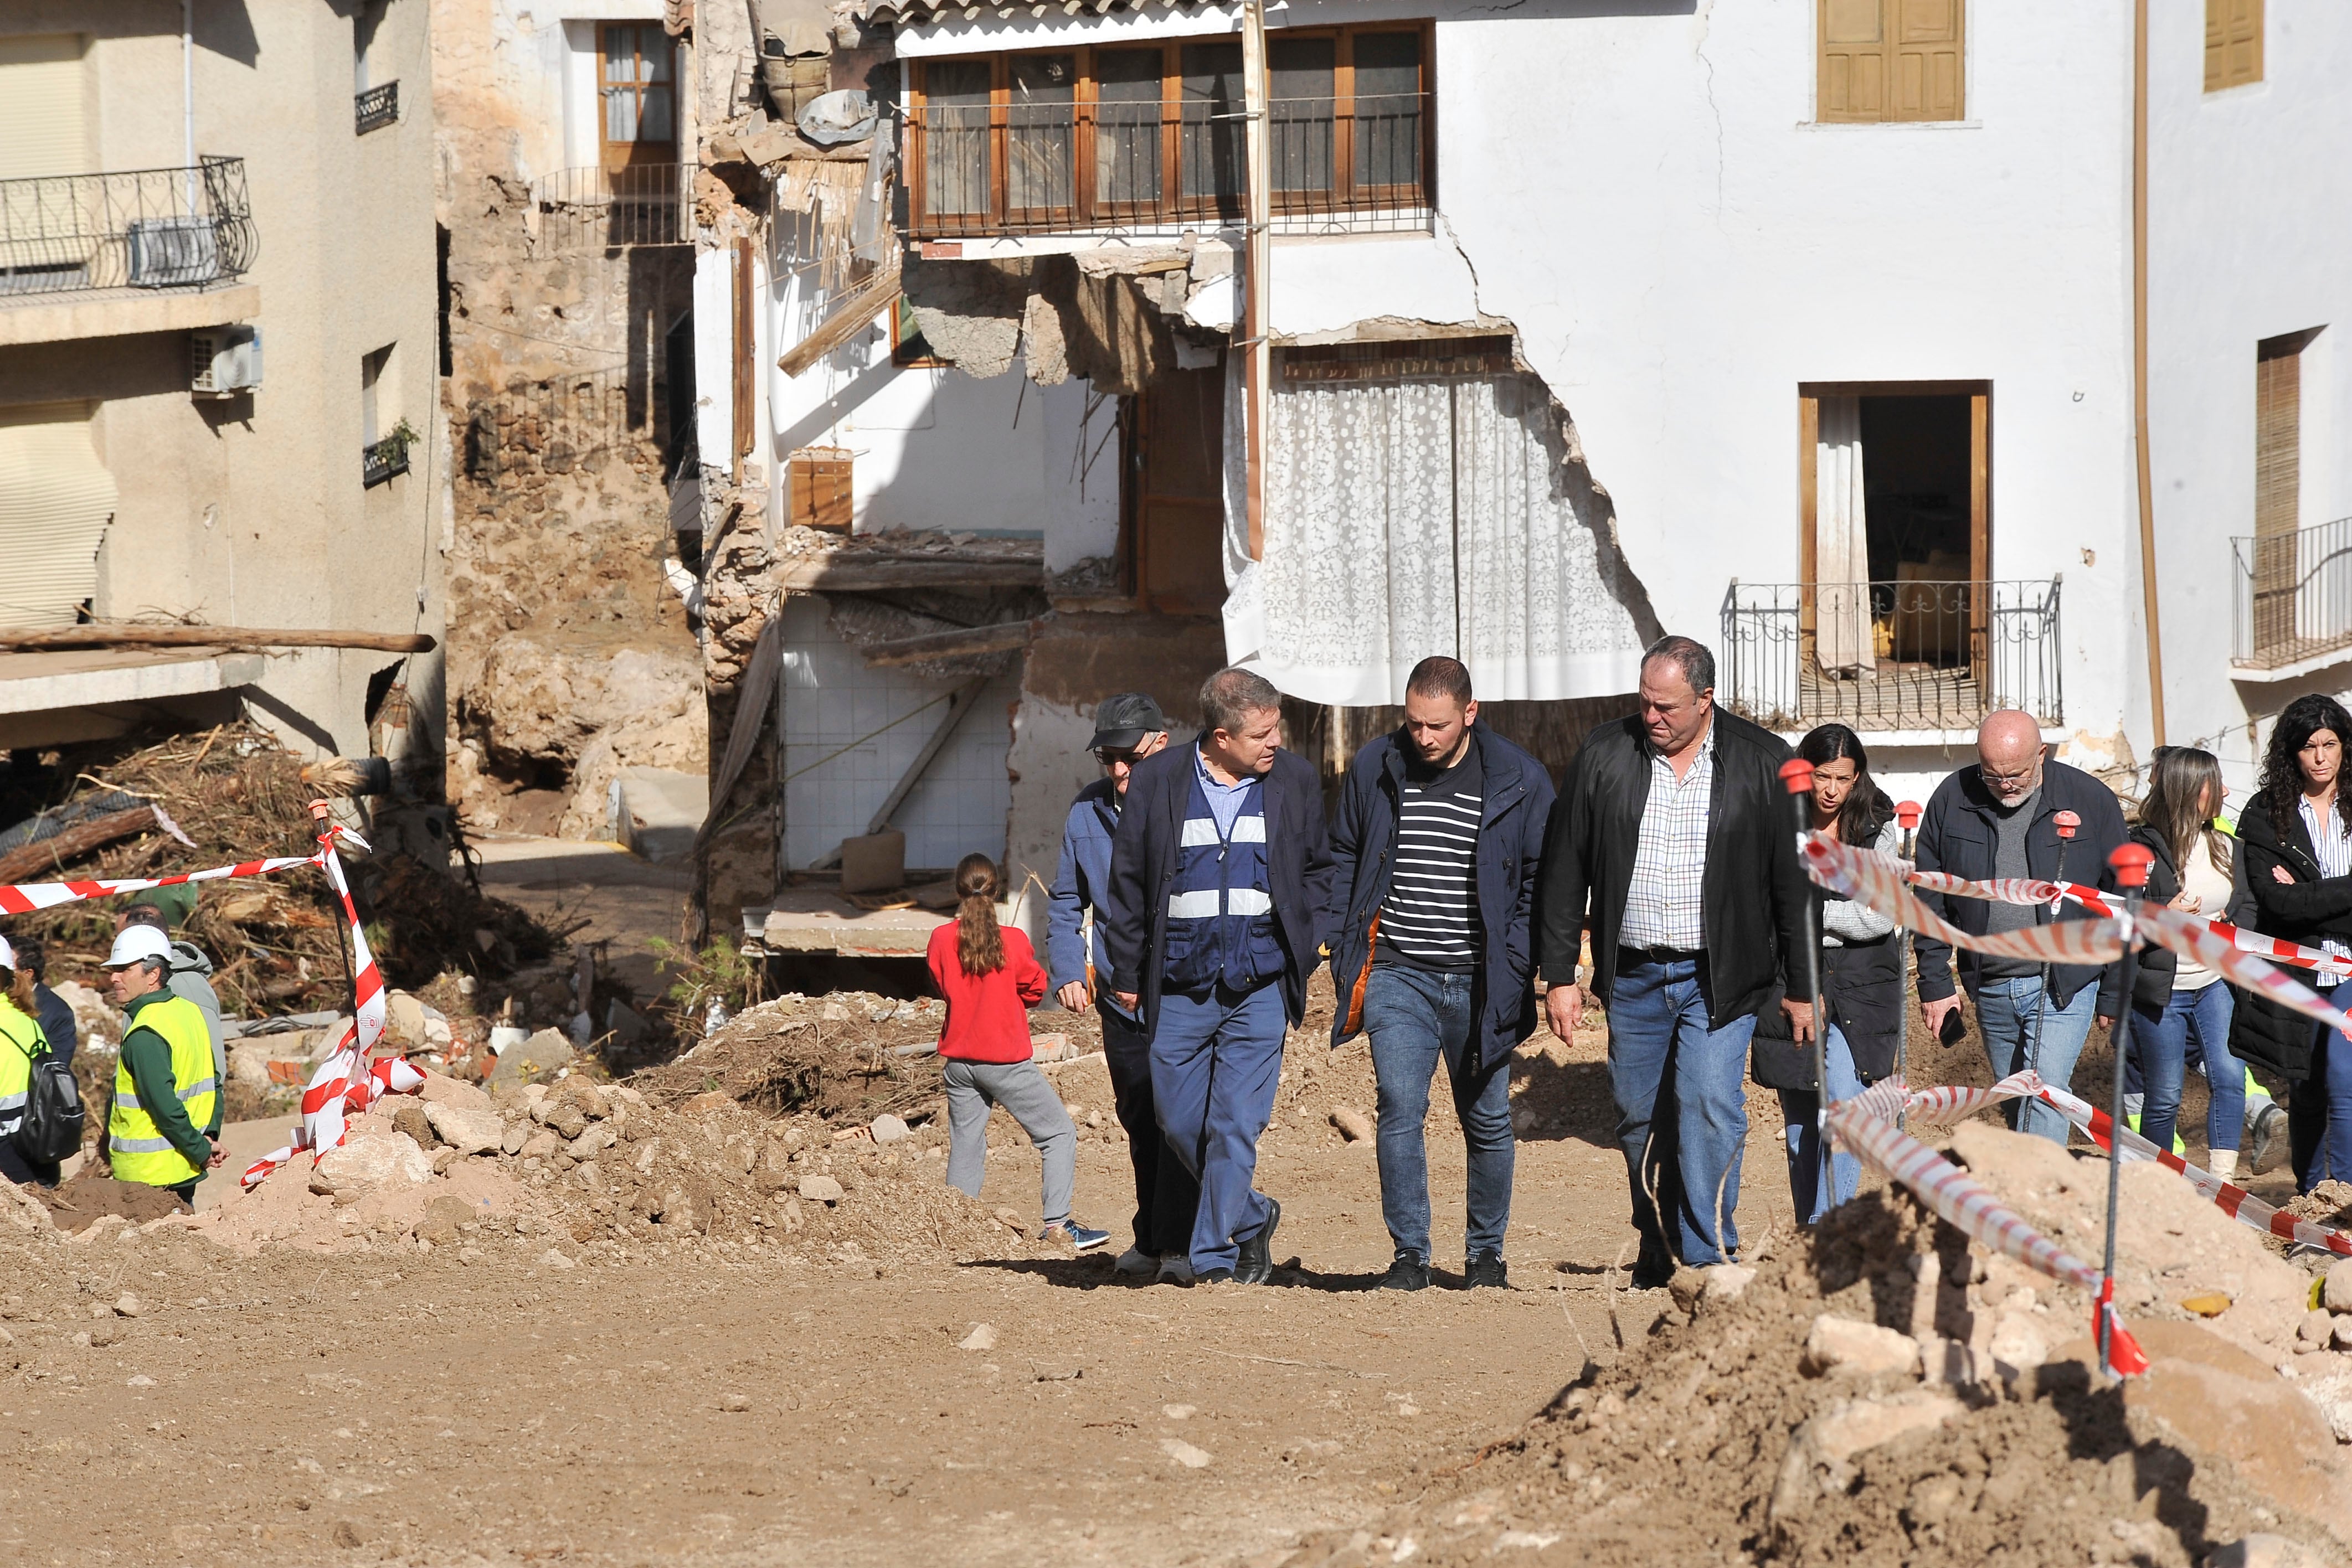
2159 1047
1415 1017
1216 1060
2319 1111
1801 1109
2009 1015
1660 1048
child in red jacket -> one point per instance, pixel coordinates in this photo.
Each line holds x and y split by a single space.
991 978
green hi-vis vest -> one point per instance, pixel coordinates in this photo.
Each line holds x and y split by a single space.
139 1151
20 1041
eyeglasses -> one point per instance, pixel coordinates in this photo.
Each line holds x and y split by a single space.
1997 780
1108 756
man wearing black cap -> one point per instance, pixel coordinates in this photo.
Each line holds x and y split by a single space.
1128 727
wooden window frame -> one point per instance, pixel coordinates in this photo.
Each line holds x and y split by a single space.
604 145
2217 47
1890 27
1171 206
901 336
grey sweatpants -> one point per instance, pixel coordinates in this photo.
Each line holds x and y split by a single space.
976 1087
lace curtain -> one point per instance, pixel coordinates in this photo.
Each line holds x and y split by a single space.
1842 541
1427 517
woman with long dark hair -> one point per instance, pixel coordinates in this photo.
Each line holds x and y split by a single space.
1861 979
2179 1000
2296 837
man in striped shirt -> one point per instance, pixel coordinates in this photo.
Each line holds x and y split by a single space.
1438 836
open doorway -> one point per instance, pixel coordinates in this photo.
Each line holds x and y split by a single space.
1173 498
1896 544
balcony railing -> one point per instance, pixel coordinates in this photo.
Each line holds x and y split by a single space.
2294 595
608 209
381 460
1339 166
378 106
152 228
1941 655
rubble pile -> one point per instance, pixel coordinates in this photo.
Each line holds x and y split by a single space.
1889 1392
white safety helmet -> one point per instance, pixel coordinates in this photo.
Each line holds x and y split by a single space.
135 943
7 955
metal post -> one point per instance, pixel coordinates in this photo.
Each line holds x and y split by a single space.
1797 774
2131 863
2068 824
1906 817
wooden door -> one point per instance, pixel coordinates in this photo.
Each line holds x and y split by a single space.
1176 471
2234 43
1890 59
637 87
2278 480
1928 61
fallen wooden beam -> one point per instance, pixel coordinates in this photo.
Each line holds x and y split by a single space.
99 635
957 643
826 574
857 309
27 862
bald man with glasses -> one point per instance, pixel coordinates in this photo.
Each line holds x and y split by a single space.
1999 819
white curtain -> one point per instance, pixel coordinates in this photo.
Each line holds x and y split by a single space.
1841 541
1429 517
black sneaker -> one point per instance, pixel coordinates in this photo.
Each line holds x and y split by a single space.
1486 1269
1407 1273
1254 1265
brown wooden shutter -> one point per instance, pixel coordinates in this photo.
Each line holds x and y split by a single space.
2278 434
1927 59
1853 64
2234 43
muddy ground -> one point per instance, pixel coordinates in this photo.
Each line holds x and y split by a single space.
527 1397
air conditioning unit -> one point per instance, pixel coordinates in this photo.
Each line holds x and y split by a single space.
224 360
173 253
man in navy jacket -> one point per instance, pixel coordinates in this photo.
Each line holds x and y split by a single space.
1219 876
1128 727
1437 840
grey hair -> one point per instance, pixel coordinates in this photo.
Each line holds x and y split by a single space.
159 967
1231 694
1687 654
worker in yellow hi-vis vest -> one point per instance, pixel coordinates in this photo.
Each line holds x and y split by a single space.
164 1088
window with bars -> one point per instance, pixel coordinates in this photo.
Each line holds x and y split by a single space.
1132 135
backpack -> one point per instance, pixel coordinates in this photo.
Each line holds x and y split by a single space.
52 1126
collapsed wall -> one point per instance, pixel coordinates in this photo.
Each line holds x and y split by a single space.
570 655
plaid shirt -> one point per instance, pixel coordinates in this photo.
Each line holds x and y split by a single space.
1662 906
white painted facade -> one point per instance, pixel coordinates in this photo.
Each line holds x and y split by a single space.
1646 197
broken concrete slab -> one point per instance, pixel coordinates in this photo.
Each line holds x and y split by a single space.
655 812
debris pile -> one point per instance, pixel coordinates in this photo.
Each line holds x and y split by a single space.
234 793
1891 1392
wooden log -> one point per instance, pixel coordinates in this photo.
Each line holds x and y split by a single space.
40 861
851 313
109 636
957 643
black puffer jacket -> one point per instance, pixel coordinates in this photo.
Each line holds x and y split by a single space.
2309 908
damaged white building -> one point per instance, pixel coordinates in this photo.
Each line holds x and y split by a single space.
1821 331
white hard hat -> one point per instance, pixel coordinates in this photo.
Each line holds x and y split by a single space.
7 955
134 943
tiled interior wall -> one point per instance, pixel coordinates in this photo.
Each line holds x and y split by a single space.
832 698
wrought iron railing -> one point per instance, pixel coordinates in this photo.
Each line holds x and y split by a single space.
609 209
1900 655
378 106
381 460
2294 595
150 228
1340 165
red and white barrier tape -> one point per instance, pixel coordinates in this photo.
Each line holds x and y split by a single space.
2025 890
330 1103
24 898
1881 882
1866 1125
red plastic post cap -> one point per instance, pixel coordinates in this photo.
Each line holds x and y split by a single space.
1907 815
2067 822
1797 774
2131 863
